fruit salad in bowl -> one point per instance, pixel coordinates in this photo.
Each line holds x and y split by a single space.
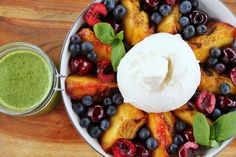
152 78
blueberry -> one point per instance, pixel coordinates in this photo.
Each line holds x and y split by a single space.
216 114
219 68
107 101
87 100
155 18
165 10
195 3
184 21
179 139
173 149
185 7
110 4
202 29
111 110
86 47
92 56
216 52
119 12
85 122
74 49
78 108
189 32
151 143
143 133
75 39
225 88
211 62
95 131
105 124
117 99
180 126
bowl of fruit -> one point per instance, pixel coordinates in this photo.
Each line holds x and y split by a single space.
152 78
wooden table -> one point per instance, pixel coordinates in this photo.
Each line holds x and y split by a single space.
45 23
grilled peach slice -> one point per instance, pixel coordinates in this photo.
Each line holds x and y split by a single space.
170 24
79 86
136 22
219 34
212 81
170 120
186 114
103 51
160 131
124 124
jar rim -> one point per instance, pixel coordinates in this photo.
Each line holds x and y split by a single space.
6 49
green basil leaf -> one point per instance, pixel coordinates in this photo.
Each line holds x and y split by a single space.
118 51
104 32
225 127
214 143
201 129
212 134
120 35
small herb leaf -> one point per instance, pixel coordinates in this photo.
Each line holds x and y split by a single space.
120 35
104 32
118 51
225 127
201 129
214 143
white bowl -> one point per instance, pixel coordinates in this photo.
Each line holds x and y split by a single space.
214 8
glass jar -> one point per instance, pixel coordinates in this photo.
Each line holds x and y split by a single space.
52 96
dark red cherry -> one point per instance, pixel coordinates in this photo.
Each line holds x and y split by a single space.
152 3
229 55
225 103
105 71
189 146
233 75
96 113
141 151
198 17
80 65
188 134
206 102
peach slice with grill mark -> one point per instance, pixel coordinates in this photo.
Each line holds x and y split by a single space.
136 22
159 129
218 35
170 24
124 124
80 86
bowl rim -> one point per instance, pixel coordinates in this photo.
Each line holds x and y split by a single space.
216 151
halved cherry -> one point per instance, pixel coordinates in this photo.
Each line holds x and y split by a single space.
105 71
94 12
123 148
170 2
183 151
226 103
80 65
188 134
206 102
233 76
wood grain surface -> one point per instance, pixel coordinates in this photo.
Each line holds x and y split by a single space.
45 23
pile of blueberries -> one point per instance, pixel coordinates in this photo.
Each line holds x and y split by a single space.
94 115
182 136
78 47
193 20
